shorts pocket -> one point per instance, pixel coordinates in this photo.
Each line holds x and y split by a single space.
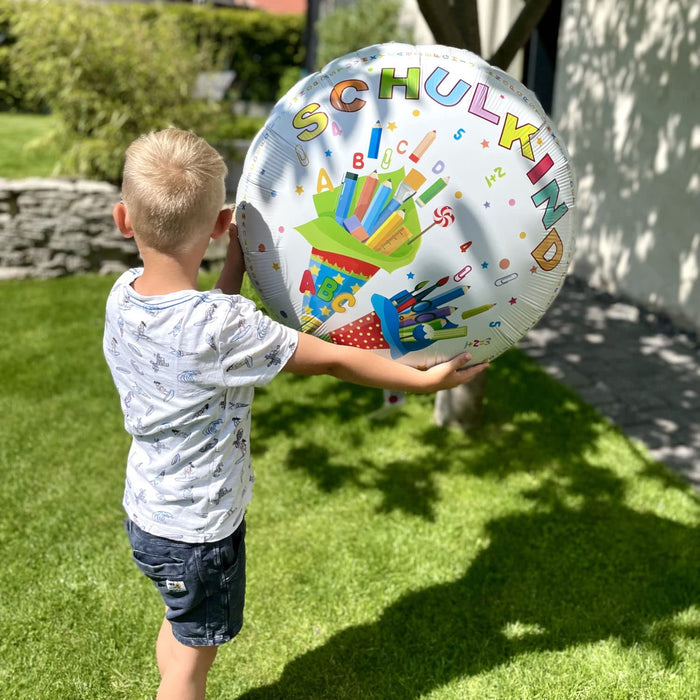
233 553
159 567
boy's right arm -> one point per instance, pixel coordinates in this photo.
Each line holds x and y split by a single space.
316 356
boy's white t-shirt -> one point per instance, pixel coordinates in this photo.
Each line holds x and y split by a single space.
185 365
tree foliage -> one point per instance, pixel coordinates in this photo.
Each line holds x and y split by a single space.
106 84
364 23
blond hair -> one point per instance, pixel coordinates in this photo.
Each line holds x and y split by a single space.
173 188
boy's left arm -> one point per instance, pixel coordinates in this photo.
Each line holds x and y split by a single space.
231 277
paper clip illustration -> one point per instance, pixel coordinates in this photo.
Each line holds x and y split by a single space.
462 273
504 280
301 155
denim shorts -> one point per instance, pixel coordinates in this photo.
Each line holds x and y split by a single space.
202 585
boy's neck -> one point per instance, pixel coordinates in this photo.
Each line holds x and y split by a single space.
165 273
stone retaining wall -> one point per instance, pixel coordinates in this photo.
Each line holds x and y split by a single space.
55 227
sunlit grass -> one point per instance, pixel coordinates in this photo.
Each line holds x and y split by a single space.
19 156
542 557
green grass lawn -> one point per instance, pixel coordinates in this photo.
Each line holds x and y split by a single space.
18 159
543 557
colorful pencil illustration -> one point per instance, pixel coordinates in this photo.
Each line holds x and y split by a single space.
346 193
392 205
366 195
375 139
432 191
423 146
386 230
444 333
454 293
379 200
477 310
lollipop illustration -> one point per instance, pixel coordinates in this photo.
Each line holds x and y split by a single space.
443 217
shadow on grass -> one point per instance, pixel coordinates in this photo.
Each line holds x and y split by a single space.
546 581
531 424
581 567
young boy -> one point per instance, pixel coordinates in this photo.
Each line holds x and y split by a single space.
185 364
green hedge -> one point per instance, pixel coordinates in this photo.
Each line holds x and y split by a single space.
259 46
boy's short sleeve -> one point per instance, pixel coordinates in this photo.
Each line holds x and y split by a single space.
253 347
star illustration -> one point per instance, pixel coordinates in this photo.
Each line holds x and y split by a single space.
315 270
307 309
533 269
339 278
539 141
299 189
356 288
325 311
329 153
487 205
484 144
512 301
391 126
275 266
484 265
410 275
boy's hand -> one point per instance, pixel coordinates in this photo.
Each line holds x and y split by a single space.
231 277
234 251
452 373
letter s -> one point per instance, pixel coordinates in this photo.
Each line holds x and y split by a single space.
312 122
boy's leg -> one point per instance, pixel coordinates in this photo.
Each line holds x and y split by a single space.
183 669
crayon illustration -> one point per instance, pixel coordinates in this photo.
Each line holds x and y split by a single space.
345 199
432 191
392 205
478 310
423 146
366 195
375 138
379 201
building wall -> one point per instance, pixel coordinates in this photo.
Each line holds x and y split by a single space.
627 103
495 19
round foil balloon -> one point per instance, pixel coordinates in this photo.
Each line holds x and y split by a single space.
411 200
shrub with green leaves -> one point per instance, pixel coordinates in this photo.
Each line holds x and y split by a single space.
363 23
107 76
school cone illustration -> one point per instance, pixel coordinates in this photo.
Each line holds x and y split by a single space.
363 226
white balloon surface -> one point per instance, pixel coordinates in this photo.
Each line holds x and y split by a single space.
412 200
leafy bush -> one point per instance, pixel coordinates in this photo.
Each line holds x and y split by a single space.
110 72
352 27
108 77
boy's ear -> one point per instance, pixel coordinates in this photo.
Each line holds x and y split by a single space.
121 219
223 221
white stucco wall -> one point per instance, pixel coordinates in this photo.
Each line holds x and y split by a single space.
627 103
